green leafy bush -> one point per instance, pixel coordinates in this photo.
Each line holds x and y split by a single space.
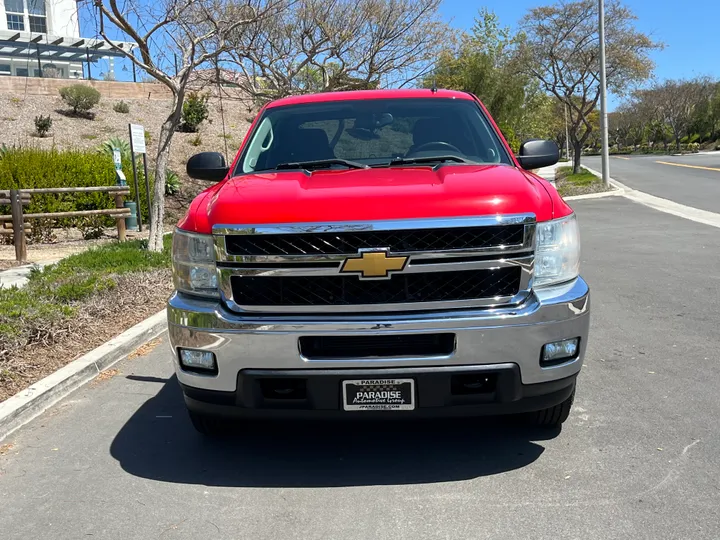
43 125
41 168
93 227
80 97
108 146
195 111
121 107
172 183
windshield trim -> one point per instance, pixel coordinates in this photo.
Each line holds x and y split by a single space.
492 127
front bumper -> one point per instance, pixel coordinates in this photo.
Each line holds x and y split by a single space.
492 339
319 393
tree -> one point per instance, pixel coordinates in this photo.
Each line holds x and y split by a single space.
328 45
484 63
561 51
175 37
677 101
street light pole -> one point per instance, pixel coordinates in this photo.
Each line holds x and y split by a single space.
603 97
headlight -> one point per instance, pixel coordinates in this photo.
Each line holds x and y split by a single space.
193 257
557 253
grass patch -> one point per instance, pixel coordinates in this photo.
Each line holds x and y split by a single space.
583 183
55 295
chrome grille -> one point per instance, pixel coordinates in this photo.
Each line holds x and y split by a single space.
454 263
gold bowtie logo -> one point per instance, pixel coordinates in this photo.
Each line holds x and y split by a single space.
373 264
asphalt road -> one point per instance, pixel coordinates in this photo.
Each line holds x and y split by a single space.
639 457
693 180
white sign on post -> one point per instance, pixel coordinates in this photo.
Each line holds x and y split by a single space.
137 138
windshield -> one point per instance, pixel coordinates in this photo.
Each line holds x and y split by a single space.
377 132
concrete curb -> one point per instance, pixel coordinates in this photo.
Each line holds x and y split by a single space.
613 193
36 399
664 205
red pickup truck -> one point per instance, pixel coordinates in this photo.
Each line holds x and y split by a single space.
377 254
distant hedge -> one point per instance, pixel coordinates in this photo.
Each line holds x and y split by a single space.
40 168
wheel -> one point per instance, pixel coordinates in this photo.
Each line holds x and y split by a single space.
210 426
553 417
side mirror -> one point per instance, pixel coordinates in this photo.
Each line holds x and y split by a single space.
209 166
538 153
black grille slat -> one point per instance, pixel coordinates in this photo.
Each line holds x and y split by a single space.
349 290
389 345
345 243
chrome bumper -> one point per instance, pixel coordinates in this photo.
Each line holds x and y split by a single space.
483 336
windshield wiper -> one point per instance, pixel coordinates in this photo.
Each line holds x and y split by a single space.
322 163
428 159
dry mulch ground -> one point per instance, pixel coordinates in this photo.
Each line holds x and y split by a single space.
104 316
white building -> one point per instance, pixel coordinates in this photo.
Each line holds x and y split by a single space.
41 38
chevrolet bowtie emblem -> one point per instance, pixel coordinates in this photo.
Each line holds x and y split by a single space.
373 264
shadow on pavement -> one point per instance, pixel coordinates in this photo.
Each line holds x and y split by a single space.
159 443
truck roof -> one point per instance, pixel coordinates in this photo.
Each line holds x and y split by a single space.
370 94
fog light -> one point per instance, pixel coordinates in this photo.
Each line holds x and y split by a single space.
194 360
559 351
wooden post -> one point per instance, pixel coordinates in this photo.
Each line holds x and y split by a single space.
120 220
18 228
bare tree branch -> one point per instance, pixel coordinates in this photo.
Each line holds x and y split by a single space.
562 53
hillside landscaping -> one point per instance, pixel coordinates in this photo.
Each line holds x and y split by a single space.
67 309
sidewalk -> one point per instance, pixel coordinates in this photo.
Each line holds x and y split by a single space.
18 276
548 173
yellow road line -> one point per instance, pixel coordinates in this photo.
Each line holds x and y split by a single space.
620 157
688 166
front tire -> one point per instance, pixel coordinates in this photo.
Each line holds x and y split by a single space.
553 417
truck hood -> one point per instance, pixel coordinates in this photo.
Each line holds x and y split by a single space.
370 194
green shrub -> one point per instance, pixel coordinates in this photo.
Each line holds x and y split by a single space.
121 107
93 227
43 125
195 111
41 232
80 97
123 145
40 168
172 183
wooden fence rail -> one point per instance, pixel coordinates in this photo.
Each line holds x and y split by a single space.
17 198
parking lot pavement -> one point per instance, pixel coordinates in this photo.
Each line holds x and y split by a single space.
692 180
639 457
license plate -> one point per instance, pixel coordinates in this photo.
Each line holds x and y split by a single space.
379 395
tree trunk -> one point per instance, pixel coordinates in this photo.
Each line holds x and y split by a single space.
677 143
155 241
577 154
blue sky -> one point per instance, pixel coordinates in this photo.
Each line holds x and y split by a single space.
689 30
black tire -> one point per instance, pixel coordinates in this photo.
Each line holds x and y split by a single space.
553 417
210 426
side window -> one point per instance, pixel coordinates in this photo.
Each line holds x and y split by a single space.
261 143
